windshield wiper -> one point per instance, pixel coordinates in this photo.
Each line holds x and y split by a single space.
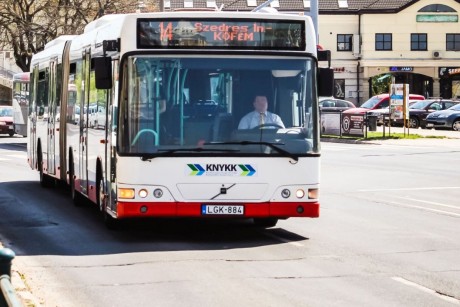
169 152
271 145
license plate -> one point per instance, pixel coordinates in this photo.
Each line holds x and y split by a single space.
429 124
222 210
11 127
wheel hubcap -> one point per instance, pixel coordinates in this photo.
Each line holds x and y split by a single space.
456 126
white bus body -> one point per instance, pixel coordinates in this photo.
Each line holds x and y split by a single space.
157 135
20 102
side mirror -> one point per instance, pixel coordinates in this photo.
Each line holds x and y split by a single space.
325 82
103 72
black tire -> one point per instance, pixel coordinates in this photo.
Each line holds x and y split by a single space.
45 180
111 222
414 123
77 198
456 125
11 133
265 222
100 197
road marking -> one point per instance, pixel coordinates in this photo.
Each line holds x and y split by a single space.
425 208
281 239
409 189
429 202
426 290
22 156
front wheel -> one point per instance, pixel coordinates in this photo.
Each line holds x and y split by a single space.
456 125
11 133
265 222
414 123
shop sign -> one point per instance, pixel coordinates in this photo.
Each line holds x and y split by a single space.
401 68
448 71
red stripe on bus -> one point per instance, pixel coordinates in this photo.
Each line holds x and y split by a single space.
175 209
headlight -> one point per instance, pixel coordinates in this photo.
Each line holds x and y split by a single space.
143 193
2 123
300 193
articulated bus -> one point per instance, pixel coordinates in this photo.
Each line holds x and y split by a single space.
140 115
20 101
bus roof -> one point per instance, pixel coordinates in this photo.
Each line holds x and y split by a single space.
124 27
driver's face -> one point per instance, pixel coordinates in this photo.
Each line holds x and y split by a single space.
260 104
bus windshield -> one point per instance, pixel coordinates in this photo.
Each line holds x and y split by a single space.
219 105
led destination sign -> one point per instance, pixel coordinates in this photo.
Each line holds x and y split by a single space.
219 34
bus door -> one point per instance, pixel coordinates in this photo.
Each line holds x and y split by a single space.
52 117
32 121
84 121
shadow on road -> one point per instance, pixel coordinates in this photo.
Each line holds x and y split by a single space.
14 146
45 222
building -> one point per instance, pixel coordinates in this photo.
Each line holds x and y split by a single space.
416 42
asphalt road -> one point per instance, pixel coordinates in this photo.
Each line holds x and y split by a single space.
387 235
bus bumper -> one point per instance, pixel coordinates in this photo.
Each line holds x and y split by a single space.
251 210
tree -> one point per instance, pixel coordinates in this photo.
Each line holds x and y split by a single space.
27 25
380 84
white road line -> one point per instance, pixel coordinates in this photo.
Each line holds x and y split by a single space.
406 282
22 156
428 202
409 189
425 208
281 239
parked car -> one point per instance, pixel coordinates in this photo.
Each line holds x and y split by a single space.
6 120
445 119
381 101
420 110
383 114
327 104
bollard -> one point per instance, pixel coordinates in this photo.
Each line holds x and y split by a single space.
6 258
8 296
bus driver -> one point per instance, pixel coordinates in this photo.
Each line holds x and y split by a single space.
260 116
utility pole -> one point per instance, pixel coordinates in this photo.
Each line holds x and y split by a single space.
314 13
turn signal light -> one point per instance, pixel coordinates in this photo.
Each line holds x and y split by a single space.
126 193
313 193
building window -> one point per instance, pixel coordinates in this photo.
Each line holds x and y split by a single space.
436 8
343 4
339 88
188 3
453 42
418 42
275 3
344 42
383 41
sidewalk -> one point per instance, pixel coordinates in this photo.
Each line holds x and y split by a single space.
422 132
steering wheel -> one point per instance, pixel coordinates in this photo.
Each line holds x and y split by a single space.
136 138
265 126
